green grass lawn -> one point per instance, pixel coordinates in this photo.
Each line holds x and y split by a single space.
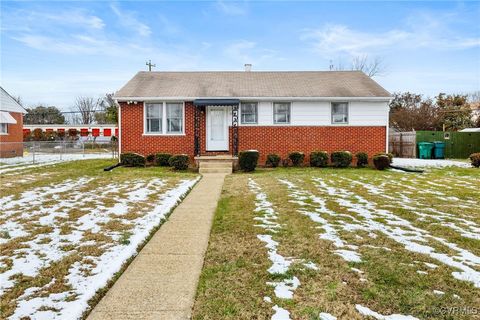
411 244
68 230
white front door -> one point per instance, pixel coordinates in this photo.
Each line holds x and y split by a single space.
217 129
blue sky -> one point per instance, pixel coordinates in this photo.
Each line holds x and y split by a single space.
52 52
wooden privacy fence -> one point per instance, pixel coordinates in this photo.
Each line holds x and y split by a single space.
403 144
457 144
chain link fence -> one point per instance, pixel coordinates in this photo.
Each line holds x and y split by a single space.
55 151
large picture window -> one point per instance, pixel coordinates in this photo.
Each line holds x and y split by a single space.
281 112
164 118
154 117
249 112
339 112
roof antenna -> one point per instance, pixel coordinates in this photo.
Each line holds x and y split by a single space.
248 67
331 65
150 65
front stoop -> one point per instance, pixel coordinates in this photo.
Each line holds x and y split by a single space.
216 164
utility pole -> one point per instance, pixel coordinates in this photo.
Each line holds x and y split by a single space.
150 65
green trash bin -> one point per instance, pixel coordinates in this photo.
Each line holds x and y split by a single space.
425 150
439 150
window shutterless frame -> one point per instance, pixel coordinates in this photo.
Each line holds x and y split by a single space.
178 120
249 116
282 114
3 128
339 112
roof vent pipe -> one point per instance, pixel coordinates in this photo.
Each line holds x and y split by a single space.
248 67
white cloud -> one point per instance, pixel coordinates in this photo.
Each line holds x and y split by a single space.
420 31
129 20
231 8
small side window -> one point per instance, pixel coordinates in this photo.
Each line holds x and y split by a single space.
249 112
3 128
281 112
339 112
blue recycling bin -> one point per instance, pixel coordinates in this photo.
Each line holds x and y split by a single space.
439 149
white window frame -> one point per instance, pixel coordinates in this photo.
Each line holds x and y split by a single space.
4 125
331 112
164 131
256 112
162 106
289 113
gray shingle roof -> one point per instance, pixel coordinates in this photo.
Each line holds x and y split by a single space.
7 103
252 84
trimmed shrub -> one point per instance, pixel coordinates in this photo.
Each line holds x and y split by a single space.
475 159
273 160
341 159
179 161
296 158
132 160
381 161
150 158
247 160
362 159
319 159
162 159
388 155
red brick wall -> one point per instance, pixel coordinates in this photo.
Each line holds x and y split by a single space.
133 140
285 139
265 139
12 144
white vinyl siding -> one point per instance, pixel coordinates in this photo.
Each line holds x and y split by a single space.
249 112
318 113
281 112
164 118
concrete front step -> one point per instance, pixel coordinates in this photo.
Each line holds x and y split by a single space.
216 164
215 170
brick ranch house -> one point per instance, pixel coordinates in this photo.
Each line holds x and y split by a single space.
214 113
11 126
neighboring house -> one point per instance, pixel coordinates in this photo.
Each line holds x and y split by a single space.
211 113
11 126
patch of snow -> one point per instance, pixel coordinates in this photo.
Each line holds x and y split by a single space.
284 289
438 292
26 162
438 163
421 272
348 255
369 313
326 316
280 313
431 265
267 299
310 265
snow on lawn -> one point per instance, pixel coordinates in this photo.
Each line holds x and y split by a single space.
71 251
26 162
373 220
439 163
280 265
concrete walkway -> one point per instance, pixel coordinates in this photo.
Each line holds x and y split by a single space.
161 282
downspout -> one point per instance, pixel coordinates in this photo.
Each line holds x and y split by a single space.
119 124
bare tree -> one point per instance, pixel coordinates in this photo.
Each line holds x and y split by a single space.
371 67
87 107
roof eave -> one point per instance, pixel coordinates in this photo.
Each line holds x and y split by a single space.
385 98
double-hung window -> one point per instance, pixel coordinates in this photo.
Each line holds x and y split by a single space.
281 112
164 118
339 112
3 128
174 117
249 112
154 117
